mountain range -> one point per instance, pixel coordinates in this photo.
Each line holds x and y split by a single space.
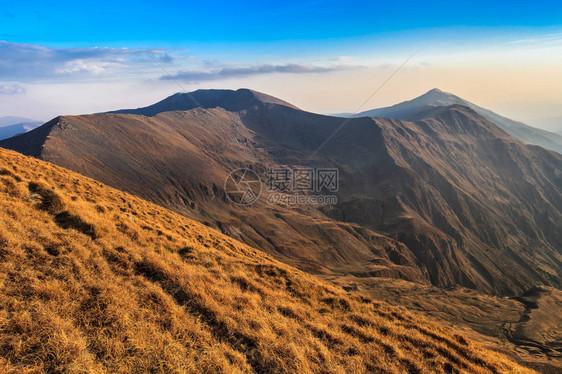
449 199
441 199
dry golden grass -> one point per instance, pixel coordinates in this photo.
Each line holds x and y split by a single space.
94 280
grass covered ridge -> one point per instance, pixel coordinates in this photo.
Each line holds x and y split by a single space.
93 280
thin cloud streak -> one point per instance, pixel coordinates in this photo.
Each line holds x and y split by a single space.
235 72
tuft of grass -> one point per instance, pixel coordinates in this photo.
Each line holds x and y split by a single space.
50 201
67 220
135 288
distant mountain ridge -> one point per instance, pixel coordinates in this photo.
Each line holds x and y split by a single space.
12 126
12 120
410 110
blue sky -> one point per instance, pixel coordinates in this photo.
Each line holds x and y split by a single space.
172 22
84 56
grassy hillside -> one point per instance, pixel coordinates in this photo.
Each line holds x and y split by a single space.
95 280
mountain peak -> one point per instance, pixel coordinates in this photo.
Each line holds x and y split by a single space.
435 90
438 97
437 93
432 98
230 100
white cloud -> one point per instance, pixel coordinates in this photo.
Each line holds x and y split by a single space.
29 63
91 67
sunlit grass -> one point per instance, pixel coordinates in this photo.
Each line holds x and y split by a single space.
94 280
